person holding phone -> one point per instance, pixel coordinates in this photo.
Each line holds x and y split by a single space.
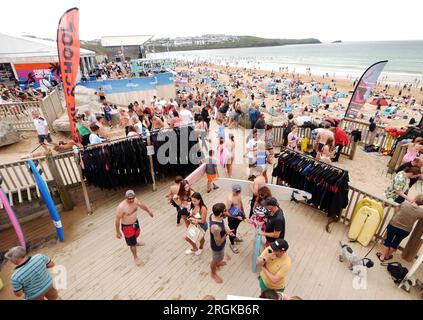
218 233
275 265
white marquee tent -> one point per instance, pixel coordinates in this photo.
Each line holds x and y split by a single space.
21 50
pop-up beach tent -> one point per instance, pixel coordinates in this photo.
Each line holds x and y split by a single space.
390 111
379 101
315 100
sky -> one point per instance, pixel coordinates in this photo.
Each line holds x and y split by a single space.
326 20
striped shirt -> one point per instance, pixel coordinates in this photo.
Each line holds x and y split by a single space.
32 276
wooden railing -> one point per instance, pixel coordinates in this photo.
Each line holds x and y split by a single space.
397 157
19 184
355 195
378 137
18 114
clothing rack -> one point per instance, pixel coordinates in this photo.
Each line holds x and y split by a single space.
327 183
308 157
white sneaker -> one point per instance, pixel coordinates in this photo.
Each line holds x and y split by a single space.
189 251
198 252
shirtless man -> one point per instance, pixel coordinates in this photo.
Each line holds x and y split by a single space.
126 218
322 138
259 181
235 213
174 190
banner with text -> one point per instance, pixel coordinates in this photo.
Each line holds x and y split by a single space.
363 89
68 47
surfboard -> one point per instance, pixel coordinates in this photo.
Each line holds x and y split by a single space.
256 252
196 175
42 186
369 203
279 192
13 219
366 219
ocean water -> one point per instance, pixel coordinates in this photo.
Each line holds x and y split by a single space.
344 60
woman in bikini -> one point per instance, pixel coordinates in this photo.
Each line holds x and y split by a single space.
230 145
183 200
413 149
198 217
328 152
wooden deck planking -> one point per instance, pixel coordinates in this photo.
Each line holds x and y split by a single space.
101 267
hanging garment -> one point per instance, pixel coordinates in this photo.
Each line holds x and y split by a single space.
327 184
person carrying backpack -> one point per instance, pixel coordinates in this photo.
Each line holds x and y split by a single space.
400 226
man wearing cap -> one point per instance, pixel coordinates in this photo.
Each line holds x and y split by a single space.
275 264
275 226
126 218
31 277
235 213
43 132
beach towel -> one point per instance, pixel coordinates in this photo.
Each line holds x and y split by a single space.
222 156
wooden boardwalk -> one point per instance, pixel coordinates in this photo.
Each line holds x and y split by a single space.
99 266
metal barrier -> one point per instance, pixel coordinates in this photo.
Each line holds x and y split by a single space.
18 114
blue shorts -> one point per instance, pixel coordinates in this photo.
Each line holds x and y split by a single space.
394 236
108 116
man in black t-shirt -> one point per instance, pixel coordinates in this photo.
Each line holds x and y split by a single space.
275 225
260 123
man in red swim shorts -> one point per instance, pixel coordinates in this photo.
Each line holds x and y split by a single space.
126 218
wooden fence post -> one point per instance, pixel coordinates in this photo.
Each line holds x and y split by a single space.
396 157
81 176
63 192
151 165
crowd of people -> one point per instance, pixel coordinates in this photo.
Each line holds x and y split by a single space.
199 108
16 93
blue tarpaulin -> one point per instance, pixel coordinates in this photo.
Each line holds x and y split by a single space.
131 84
